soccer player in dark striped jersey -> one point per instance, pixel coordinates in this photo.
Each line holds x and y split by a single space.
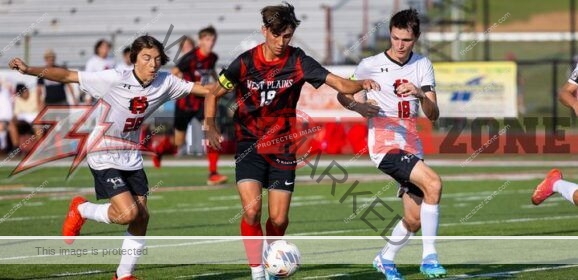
267 80
197 65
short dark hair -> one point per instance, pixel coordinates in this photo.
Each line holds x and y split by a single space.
207 31
147 42
406 19
100 43
126 50
280 17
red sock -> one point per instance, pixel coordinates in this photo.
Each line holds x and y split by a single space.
165 147
213 156
253 247
273 230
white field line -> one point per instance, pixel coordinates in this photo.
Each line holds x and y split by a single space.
76 273
327 276
198 275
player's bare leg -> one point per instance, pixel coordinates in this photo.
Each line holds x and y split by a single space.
279 202
405 228
137 226
251 199
430 184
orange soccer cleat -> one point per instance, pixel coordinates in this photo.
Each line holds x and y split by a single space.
216 179
546 188
73 221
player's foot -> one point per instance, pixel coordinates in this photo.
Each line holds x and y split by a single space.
546 188
129 277
258 274
387 268
157 158
216 179
73 221
431 268
271 277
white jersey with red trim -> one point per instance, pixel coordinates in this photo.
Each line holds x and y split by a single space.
129 104
395 127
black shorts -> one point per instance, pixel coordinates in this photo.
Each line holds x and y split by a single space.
183 118
398 164
250 165
110 182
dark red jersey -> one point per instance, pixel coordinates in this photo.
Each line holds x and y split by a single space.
269 90
195 68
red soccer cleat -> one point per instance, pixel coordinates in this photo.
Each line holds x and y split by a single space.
73 221
216 179
130 277
546 188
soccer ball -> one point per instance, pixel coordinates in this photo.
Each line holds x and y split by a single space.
282 259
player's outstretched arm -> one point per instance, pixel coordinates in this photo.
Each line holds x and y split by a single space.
351 87
366 109
49 73
567 96
213 137
201 90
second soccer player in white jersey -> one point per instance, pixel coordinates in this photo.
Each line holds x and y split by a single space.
132 95
554 182
407 81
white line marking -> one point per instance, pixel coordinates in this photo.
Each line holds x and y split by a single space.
327 276
77 273
198 275
213 239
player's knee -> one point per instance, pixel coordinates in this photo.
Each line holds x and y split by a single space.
279 221
434 186
125 216
252 216
412 224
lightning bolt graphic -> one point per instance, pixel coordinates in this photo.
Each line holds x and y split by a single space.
73 131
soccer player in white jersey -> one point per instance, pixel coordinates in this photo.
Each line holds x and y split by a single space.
553 181
132 95
407 81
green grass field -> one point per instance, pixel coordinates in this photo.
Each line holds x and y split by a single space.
182 206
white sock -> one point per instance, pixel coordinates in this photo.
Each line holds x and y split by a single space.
566 189
429 227
133 248
3 140
257 272
398 239
95 212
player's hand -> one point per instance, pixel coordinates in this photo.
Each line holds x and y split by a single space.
368 109
410 89
18 65
370 85
213 137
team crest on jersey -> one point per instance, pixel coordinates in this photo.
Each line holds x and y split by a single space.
138 105
116 182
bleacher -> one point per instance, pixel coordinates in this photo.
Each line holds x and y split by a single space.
72 27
